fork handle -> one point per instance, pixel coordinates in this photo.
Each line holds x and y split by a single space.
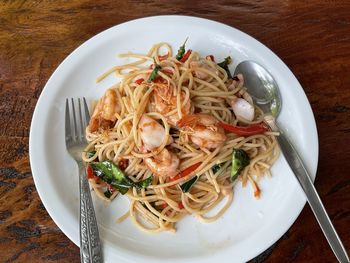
90 246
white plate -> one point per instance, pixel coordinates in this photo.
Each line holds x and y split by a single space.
248 228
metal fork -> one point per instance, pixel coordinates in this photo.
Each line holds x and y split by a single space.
77 118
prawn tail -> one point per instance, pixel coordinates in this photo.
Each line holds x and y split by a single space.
187 121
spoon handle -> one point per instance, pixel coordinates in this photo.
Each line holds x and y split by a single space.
313 198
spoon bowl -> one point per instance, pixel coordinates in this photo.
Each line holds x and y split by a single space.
261 86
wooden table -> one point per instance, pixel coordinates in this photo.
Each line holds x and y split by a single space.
311 37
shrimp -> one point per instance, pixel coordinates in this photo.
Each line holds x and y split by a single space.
106 112
164 163
204 130
237 82
152 133
198 73
164 101
242 108
243 104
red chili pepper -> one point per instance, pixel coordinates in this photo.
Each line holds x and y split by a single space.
139 81
163 206
185 172
186 56
256 191
245 130
111 188
181 206
186 82
90 173
159 80
210 57
164 57
167 71
123 164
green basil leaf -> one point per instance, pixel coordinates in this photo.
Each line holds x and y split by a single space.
144 183
224 64
240 160
185 187
121 189
111 174
108 194
90 154
216 168
154 72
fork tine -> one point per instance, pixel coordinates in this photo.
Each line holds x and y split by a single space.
86 110
75 136
82 124
68 128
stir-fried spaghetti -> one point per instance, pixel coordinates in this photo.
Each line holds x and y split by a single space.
173 136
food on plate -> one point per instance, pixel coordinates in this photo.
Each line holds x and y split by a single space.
174 135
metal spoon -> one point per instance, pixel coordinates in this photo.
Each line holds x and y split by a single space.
265 93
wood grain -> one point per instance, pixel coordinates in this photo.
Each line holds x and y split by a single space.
312 37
